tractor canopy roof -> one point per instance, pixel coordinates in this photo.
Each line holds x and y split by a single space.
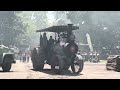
58 29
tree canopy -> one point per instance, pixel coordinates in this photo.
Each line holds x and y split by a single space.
19 27
11 27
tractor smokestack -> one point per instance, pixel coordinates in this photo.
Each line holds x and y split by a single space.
70 25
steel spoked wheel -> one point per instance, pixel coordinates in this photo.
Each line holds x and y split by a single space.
77 65
6 65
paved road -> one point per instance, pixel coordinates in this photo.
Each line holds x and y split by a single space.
91 71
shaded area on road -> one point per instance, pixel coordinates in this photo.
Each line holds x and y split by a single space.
66 72
1 71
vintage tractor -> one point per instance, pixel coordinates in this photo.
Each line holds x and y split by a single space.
113 63
60 56
6 58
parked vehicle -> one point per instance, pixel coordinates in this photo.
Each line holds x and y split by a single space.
6 58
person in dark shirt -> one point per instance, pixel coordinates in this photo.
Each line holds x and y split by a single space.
51 41
41 41
50 45
44 40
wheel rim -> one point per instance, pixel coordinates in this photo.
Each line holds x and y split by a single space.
77 65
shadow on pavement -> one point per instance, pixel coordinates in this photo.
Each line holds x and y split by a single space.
6 72
56 72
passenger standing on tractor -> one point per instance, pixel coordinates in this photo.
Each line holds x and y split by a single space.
45 40
41 40
51 41
49 46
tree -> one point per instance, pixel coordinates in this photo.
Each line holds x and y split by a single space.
11 27
103 27
34 20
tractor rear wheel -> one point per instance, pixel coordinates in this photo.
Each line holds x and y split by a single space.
37 60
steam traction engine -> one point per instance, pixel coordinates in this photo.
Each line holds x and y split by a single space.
59 55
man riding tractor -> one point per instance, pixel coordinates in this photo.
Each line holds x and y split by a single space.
63 52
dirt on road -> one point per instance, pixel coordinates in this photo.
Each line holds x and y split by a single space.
91 71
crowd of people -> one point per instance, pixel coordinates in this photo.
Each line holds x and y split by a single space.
25 56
